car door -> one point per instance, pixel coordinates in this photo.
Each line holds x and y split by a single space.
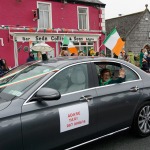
50 124
10 124
116 102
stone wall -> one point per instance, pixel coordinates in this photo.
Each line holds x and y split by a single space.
139 35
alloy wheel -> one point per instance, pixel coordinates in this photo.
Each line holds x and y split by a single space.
144 119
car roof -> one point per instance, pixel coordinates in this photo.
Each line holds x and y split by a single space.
65 61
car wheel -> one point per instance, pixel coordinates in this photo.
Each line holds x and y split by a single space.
141 122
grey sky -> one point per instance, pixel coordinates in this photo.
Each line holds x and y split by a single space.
124 7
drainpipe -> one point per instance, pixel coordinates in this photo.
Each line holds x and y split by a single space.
100 21
57 49
15 53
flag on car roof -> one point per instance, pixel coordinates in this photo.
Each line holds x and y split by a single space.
71 47
114 42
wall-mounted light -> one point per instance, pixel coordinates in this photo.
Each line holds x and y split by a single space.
65 2
35 14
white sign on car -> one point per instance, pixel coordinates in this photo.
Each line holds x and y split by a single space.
72 117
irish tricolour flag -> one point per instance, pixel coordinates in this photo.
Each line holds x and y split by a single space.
71 47
114 42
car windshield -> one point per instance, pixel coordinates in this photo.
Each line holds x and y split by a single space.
20 79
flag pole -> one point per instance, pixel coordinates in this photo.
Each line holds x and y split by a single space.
100 46
111 53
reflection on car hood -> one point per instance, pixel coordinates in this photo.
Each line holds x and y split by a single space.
4 103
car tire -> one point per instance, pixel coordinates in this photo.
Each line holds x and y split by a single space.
141 121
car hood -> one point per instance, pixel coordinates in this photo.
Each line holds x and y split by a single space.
4 103
5 100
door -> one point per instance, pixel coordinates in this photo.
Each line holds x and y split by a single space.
116 102
10 124
49 124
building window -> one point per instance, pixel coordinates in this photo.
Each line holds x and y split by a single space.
81 46
103 19
45 15
83 18
86 46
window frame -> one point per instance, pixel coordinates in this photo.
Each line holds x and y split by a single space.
49 14
81 47
96 81
87 17
89 77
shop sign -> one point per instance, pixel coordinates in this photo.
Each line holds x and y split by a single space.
54 38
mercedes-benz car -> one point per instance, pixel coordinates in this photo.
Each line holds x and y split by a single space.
60 103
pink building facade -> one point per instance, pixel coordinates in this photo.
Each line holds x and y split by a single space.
25 23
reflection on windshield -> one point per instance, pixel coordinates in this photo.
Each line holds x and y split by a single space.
21 79
16 70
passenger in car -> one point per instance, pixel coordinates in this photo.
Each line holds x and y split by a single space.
105 77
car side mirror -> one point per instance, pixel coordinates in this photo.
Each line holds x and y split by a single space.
47 94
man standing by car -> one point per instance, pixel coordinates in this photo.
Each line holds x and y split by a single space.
31 57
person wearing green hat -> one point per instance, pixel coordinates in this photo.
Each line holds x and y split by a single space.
142 59
102 54
131 57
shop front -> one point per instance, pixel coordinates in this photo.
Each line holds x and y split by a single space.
83 42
